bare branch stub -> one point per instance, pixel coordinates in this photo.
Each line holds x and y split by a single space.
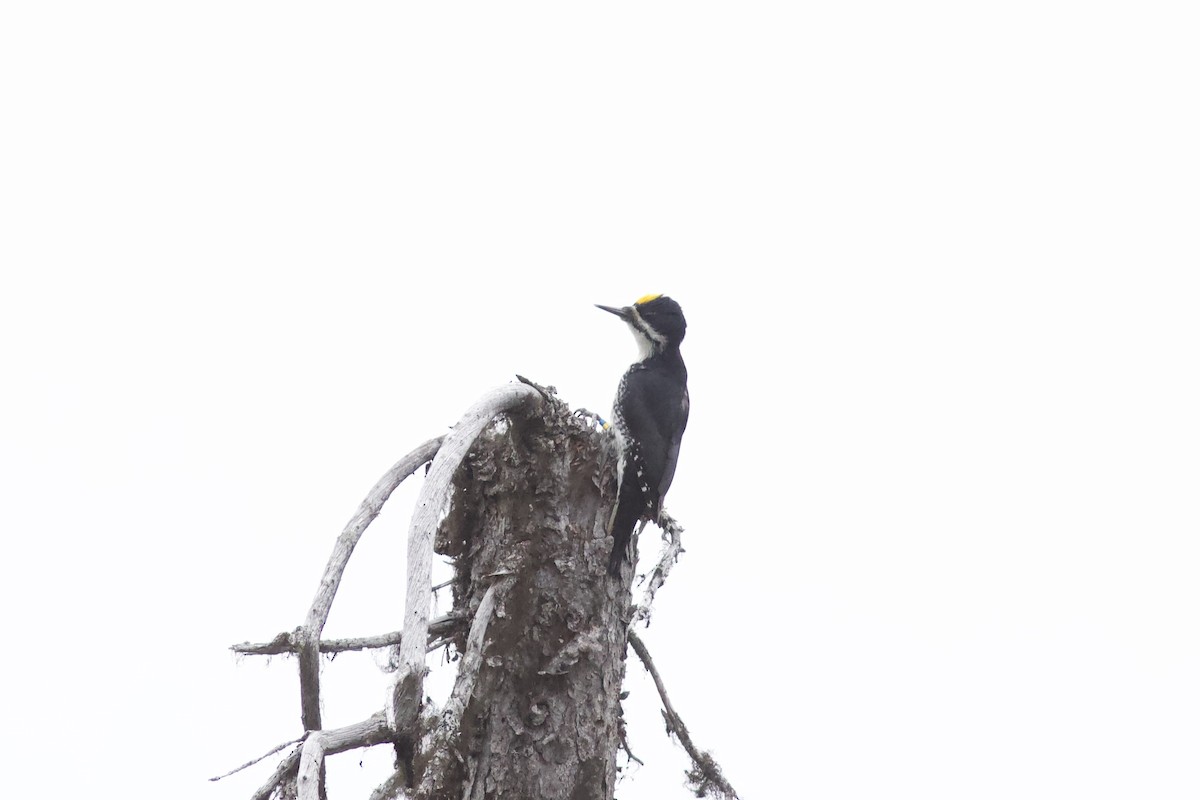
625 746
263 757
705 777
283 644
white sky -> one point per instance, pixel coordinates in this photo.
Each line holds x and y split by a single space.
939 262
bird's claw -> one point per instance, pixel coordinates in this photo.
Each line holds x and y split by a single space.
592 417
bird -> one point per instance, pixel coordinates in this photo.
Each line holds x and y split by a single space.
650 413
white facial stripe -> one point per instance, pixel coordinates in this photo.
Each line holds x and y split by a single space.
645 343
649 332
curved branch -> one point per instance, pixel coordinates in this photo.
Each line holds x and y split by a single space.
706 774
307 638
404 703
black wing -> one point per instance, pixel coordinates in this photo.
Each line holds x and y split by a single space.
673 450
656 417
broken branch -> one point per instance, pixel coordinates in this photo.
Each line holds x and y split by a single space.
263 757
706 775
283 644
672 548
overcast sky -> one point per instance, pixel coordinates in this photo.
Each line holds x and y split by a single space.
939 264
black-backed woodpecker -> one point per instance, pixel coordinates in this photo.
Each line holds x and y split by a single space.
649 415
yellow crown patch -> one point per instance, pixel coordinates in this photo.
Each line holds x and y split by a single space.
646 299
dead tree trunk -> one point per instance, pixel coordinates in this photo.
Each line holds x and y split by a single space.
520 493
532 500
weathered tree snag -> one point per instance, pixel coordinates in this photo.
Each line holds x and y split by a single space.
532 500
519 496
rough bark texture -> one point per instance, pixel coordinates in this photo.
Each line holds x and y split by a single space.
539 625
532 500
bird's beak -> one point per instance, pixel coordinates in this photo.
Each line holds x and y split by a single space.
623 313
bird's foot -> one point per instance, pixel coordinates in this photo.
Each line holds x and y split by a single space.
592 418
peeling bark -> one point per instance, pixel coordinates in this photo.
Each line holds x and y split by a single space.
532 499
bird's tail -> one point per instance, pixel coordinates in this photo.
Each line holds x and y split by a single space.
630 507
